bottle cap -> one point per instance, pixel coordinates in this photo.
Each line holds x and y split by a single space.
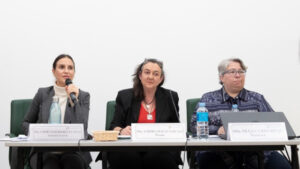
202 104
234 106
55 99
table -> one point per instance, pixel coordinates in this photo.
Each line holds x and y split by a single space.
213 143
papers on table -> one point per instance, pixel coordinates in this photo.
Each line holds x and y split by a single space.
124 136
19 138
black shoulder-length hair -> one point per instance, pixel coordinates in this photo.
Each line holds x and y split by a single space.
137 84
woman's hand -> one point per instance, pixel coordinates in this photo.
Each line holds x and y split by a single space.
221 130
126 131
71 88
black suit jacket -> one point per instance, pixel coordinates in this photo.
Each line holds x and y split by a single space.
128 110
40 109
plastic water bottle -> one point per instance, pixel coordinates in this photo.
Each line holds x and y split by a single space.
55 114
202 122
235 108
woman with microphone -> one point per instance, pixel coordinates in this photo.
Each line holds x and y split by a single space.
146 102
74 107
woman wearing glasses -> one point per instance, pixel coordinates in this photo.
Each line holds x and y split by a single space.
232 74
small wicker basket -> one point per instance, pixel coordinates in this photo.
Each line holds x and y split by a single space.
105 135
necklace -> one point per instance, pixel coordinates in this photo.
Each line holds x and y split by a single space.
148 104
149 109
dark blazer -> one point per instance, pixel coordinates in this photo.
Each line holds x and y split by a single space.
40 109
128 110
128 107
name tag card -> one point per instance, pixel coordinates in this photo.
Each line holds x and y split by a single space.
56 132
270 131
157 131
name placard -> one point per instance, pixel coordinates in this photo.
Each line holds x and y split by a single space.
150 131
56 132
269 131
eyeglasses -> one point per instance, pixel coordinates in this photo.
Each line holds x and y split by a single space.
233 72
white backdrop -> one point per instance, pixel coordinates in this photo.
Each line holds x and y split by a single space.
107 40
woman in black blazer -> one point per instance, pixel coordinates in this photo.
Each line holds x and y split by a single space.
39 112
146 102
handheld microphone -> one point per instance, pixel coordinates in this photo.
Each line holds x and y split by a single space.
72 95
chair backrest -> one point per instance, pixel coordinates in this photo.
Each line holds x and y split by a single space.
190 107
110 111
18 109
17 112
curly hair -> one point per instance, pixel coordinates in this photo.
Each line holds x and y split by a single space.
137 84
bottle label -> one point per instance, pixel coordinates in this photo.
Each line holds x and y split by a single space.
202 116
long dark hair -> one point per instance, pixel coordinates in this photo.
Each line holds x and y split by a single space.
60 57
137 84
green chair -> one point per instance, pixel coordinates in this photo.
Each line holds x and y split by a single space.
110 111
190 107
18 110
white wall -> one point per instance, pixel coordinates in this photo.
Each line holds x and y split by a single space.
109 38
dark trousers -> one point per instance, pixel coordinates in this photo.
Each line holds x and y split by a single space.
276 161
66 160
142 160
240 160
210 160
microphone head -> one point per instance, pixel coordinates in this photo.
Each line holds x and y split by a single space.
68 81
